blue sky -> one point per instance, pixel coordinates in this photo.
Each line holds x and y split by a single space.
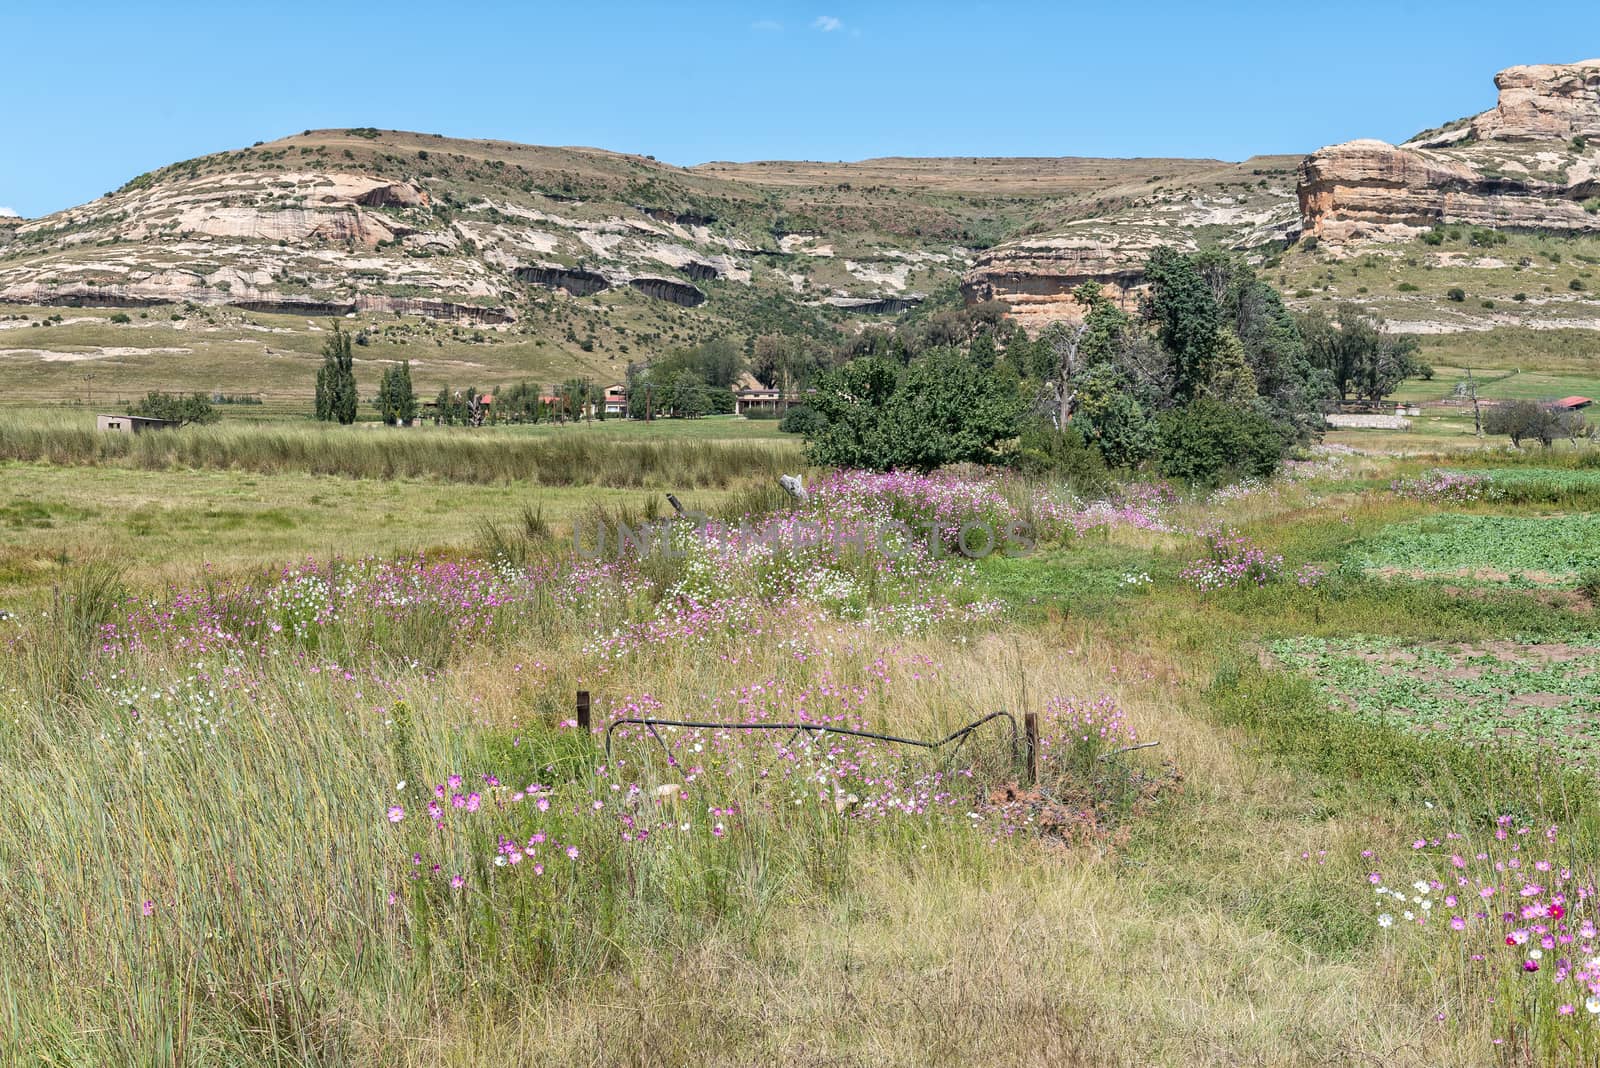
94 93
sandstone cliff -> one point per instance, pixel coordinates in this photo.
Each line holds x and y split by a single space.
1526 164
1245 206
331 222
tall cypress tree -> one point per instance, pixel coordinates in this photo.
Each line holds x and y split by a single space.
396 401
336 379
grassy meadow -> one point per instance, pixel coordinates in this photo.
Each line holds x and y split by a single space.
291 773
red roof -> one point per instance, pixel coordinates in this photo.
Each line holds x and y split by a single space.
1573 402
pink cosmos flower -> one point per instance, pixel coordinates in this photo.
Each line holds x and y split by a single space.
396 813
148 908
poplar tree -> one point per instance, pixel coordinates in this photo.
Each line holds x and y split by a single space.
336 380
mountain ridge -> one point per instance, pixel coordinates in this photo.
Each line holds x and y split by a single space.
591 258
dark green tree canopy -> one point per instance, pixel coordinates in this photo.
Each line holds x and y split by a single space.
177 408
336 380
397 401
1362 361
940 409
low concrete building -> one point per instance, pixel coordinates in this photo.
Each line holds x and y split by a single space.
1362 421
129 424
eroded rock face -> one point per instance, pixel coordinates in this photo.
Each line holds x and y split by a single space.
1523 165
1544 102
579 283
876 305
681 293
1242 206
1036 277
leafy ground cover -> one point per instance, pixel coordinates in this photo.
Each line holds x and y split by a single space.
1535 549
1545 695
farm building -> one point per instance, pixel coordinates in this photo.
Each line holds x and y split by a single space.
1572 404
129 424
762 400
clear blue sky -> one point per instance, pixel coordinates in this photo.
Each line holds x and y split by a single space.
94 93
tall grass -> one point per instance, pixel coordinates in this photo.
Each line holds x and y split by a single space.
243 795
555 460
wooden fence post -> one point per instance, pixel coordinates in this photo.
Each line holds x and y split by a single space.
1030 723
583 711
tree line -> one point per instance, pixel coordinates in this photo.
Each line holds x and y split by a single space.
1210 376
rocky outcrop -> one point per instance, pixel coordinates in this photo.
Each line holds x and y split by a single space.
1248 206
150 294
680 293
428 308
1523 165
574 280
396 195
1035 278
701 272
876 305
1550 102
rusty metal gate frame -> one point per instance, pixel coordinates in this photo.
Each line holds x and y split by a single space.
958 736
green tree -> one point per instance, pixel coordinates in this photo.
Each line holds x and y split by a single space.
1232 380
336 380
1363 362
1206 440
940 409
1184 309
177 408
397 401
1523 420
1110 418
852 401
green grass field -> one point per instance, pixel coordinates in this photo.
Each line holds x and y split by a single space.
232 696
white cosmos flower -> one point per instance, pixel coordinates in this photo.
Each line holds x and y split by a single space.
1426 905
1385 920
1420 886
1592 1003
1408 915
1535 954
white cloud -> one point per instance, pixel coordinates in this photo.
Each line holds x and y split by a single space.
9 213
766 26
827 24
